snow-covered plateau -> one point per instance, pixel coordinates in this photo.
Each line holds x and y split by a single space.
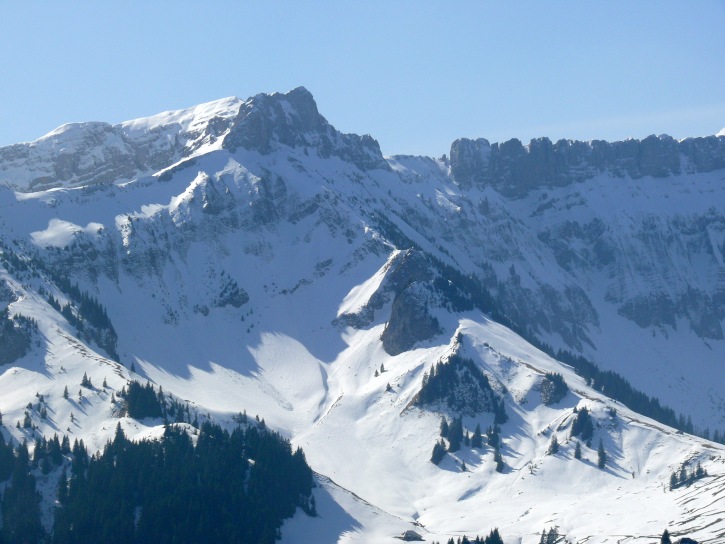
250 257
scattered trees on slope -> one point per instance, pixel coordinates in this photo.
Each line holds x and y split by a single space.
494 537
465 292
551 537
685 478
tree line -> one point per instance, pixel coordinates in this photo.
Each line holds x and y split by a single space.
235 487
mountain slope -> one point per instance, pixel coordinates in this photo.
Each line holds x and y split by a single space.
266 262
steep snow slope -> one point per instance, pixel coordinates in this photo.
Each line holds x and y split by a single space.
262 278
627 272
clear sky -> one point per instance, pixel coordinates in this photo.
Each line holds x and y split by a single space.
414 75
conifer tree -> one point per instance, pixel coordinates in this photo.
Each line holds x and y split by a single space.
21 503
666 538
493 436
455 434
494 537
477 439
582 425
553 446
499 460
578 450
601 455
444 427
65 392
439 452
63 486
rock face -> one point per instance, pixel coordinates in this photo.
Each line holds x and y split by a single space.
514 169
408 282
99 153
267 122
403 269
410 321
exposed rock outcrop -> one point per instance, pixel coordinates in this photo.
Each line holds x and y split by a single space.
410 321
266 122
514 169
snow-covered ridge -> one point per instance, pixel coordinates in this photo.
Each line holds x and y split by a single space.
188 120
262 273
79 154
93 153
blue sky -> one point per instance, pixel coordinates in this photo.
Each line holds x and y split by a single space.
415 75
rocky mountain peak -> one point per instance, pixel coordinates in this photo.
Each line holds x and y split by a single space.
268 121
94 153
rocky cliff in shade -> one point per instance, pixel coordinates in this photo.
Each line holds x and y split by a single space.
514 169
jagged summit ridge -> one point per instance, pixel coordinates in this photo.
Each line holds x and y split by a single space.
266 122
90 153
515 169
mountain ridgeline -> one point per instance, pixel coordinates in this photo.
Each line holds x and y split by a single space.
515 169
540 314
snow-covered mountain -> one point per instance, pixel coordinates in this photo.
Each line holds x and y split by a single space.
248 256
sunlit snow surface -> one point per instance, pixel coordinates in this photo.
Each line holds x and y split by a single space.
164 250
